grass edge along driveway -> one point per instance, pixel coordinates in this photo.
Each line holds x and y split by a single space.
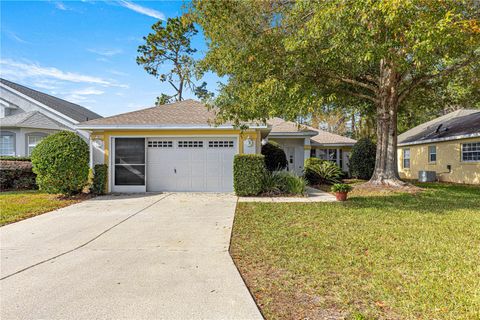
20 205
397 256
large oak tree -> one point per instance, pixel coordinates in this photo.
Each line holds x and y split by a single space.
287 58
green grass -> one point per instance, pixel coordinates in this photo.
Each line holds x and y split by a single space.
19 205
396 256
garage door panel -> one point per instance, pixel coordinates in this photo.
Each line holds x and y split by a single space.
191 164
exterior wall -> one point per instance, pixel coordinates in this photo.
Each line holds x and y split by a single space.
21 138
448 153
100 140
298 145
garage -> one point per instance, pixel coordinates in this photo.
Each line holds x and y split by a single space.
196 164
190 164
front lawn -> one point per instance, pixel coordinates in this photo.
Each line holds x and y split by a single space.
19 205
396 256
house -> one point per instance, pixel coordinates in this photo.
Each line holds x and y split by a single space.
448 145
301 142
27 116
176 147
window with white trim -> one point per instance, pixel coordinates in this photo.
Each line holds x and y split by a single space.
220 144
190 144
406 158
32 140
471 152
432 154
7 143
160 144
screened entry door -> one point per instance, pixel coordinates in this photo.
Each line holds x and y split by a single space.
190 164
129 165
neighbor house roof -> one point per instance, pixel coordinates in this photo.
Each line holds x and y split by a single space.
33 119
459 124
183 114
282 127
69 109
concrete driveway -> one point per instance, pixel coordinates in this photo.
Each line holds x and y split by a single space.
155 256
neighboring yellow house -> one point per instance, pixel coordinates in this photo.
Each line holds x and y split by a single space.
448 146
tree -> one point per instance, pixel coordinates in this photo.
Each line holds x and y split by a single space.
171 45
287 58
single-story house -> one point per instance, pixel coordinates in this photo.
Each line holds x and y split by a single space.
27 116
449 146
177 147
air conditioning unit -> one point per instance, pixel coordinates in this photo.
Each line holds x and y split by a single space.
427 176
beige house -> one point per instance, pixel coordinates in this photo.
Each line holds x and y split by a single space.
448 146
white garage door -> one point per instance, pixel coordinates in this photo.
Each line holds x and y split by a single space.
190 164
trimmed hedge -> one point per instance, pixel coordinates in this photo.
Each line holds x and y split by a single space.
100 173
362 159
61 163
275 158
12 158
248 173
16 175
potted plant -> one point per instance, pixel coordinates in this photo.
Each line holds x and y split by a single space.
341 191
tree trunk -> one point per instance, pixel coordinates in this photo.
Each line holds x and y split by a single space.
386 170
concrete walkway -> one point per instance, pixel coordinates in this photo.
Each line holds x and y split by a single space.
313 195
155 256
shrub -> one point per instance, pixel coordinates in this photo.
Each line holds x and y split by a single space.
283 182
16 175
61 163
341 187
100 173
319 171
362 159
12 158
248 174
275 158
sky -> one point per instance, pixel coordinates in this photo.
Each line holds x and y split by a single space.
84 51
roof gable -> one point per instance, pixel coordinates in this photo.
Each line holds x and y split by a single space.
69 109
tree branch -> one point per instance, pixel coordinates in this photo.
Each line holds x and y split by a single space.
364 96
358 83
416 82
173 85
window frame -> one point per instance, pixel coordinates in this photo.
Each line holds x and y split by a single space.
430 154
27 143
462 151
10 134
404 158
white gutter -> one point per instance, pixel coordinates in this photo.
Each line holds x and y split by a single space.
38 103
316 144
463 136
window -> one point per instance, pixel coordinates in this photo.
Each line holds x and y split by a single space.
313 153
406 158
471 151
32 140
160 144
7 143
190 144
220 144
432 154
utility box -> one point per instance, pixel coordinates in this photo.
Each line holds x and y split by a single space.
427 176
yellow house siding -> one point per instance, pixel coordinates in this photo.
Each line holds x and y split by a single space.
105 136
448 153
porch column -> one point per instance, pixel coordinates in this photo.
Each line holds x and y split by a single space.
307 148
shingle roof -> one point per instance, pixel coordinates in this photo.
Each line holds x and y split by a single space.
462 122
33 119
69 109
319 137
186 112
